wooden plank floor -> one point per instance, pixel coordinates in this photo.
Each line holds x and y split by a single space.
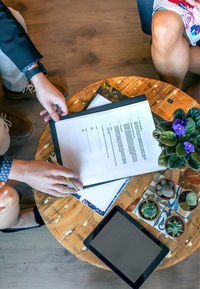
82 41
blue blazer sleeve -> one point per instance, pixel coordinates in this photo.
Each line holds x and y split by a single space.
14 41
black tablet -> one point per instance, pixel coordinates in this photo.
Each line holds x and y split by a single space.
126 247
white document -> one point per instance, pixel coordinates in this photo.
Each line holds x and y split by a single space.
101 197
109 145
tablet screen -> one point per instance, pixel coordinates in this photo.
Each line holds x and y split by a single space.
128 248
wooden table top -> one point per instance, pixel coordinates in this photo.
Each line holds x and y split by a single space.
71 222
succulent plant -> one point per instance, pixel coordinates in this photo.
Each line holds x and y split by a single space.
174 226
148 209
190 201
180 140
165 189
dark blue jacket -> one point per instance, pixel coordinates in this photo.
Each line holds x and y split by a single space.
14 41
16 44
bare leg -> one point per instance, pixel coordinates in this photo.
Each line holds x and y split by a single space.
170 50
194 66
9 206
194 91
10 215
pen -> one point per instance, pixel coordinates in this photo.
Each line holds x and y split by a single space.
67 179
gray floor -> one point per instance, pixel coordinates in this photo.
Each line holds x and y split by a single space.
82 41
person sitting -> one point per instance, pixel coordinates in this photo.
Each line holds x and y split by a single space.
19 62
175 34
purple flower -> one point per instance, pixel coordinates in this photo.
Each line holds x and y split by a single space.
179 129
179 126
189 147
182 122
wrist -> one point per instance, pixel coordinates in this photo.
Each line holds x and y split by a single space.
18 170
35 69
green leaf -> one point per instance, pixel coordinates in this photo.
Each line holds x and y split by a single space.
162 145
168 138
176 162
198 139
193 141
165 125
185 137
170 150
193 164
194 113
163 159
180 150
185 206
157 133
194 134
196 156
190 127
191 199
179 113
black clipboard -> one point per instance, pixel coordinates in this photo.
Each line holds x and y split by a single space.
111 93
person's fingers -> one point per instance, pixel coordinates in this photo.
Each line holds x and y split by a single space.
64 172
52 112
63 189
63 181
2 184
2 210
60 180
47 118
63 106
57 194
42 112
77 183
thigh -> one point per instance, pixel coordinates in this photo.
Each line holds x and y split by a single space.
10 204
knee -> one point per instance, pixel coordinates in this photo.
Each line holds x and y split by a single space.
11 204
166 31
12 197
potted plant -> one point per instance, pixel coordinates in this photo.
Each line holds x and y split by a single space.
165 189
188 200
180 140
174 226
148 209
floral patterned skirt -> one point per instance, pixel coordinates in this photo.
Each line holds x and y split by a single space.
189 14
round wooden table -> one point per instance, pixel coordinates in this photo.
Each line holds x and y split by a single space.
71 222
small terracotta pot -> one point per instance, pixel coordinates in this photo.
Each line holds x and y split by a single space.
163 197
181 199
179 218
153 201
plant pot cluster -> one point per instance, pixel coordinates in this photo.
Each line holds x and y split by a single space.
166 189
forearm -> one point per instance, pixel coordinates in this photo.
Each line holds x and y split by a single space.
18 170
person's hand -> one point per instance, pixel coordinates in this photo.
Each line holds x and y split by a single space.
44 177
50 97
194 3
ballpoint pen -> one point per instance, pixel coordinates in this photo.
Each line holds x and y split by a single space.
67 179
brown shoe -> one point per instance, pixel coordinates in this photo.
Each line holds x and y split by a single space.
19 127
28 92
